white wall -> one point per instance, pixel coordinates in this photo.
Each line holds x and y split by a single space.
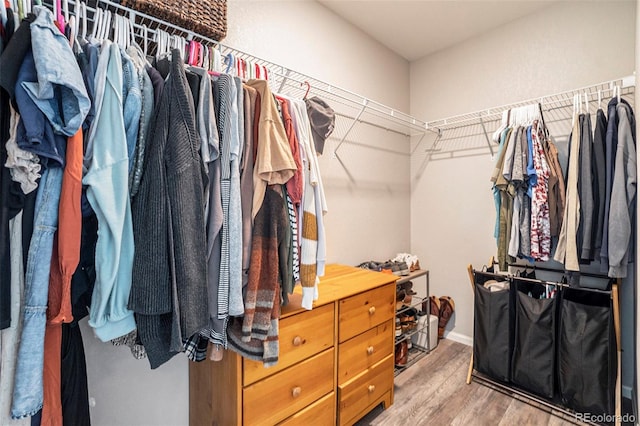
368 193
565 46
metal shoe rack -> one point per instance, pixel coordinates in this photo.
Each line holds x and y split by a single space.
416 351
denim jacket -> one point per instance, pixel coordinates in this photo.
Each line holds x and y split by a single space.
59 78
35 133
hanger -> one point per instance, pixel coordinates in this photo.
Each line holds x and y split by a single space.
160 40
308 88
65 10
206 62
73 28
145 37
192 53
58 15
97 20
202 53
116 29
586 103
106 28
101 24
20 9
230 62
85 18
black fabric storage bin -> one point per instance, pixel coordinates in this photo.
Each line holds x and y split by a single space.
492 329
533 363
587 358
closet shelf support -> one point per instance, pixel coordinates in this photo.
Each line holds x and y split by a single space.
353 123
285 76
418 143
486 136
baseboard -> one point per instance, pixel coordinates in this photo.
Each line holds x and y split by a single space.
627 392
460 338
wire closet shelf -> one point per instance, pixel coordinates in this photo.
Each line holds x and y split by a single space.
471 134
349 105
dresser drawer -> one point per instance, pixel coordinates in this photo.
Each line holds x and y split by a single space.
359 393
363 351
320 413
301 336
364 311
279 396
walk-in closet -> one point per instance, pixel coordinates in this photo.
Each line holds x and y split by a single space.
318 212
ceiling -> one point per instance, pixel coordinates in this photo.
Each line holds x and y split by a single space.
414 29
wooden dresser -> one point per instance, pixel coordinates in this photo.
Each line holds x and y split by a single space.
336 361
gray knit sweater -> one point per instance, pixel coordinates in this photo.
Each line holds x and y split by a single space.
169 292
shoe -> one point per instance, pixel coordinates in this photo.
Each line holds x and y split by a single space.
415 266
408 288
435 307
401 296
371 265
411 260
447 307
404 269
395 268
402 353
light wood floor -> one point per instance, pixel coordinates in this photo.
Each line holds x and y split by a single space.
434 392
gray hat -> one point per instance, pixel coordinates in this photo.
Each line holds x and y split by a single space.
322 118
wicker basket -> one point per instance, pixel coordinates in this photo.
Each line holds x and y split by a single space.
204 17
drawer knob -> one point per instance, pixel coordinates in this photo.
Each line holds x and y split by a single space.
295 392
372 388
297 341
370 350
372 310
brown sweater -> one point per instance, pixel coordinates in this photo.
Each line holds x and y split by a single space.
262 294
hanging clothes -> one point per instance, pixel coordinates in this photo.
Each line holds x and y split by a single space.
599 184
567 249
556 188
623 193
107 180
10 337
506 199
585 189
169 292
540 221
611 143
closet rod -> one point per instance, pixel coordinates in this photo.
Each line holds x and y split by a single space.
375 108
552 99
553 283
561 271
379 126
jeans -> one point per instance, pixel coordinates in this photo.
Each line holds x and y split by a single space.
9 338
28 391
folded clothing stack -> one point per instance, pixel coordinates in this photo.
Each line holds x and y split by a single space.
494 285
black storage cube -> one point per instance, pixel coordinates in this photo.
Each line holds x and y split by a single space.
492 329
533 364
587 359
